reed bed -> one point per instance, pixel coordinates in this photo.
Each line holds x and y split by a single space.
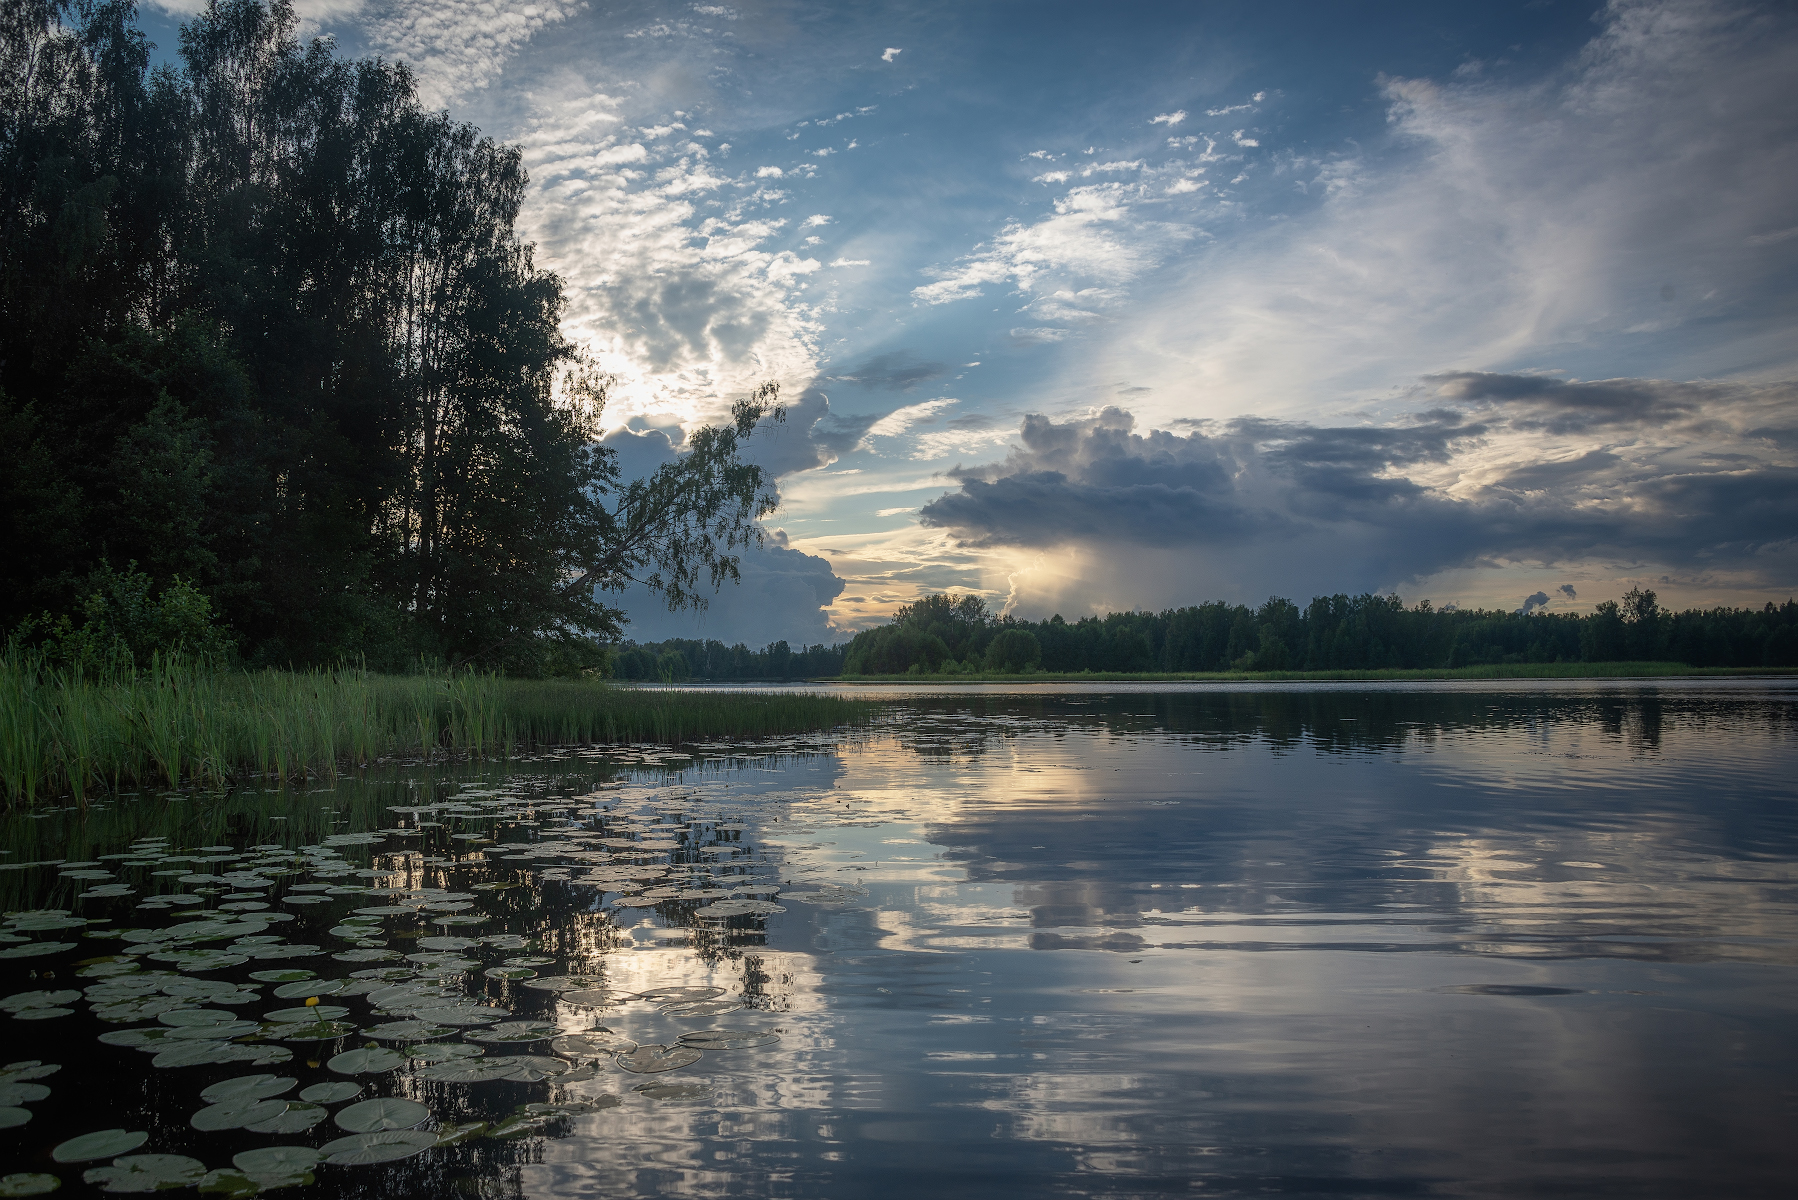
181 722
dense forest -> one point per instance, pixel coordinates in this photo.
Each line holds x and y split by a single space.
956 635
278 380
680 659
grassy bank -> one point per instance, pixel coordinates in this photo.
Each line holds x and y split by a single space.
1608 670
178 723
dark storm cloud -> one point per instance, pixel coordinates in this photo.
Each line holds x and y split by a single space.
1557 406
810 436
896 372
1532 603
781 598
813 435
1375 503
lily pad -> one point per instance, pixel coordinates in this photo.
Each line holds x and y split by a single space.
701 1008
309 987
11 1118
390 1112
309 1031
444 1052
509 973
29 1183
564 983
534 1068
179 1017
296 1117
388 1146
681 994
147 1173
455 1135
289 975
463 1015
174 1053
467 1070
236 1114
407 1031
316 1012
276 1160
599 1043
513 1031
36 949
591 997
29 1068
366 1062
728 1039
331 1093
673 1091
653 1059
247 1087
107 1143
235 1185
23 1001
14 1094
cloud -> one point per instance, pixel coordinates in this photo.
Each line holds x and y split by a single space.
1252 505
1093 234
1532 603
1041 335
851 262
1504 225
1566 589
892 52
814 221
1169 119
902 419
783 596
458 48
814 436
669 278
769 173
899 371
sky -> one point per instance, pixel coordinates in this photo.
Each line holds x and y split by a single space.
1085 308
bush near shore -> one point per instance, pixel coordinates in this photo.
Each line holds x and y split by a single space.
63 733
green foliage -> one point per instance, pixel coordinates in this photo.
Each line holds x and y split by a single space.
180 721
713 660
126 622
266 326
1358 634
1012 651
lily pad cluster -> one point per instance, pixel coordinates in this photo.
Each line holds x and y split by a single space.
233 959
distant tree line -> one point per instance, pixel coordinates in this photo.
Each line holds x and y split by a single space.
942 634
278 377
683 659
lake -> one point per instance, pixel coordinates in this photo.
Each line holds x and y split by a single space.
1080 940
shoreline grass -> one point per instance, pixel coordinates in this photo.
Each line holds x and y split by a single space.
179 722
1612 670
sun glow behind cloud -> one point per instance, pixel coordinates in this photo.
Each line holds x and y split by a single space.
1188 256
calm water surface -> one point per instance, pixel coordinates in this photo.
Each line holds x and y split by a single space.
1336 940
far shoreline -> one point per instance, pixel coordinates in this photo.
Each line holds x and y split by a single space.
1593 671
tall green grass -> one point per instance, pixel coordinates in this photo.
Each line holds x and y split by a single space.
180 722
